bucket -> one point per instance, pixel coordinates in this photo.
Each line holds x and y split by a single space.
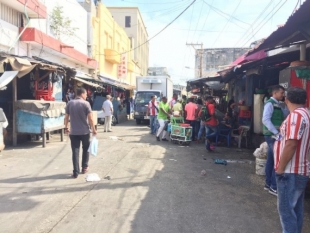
260 166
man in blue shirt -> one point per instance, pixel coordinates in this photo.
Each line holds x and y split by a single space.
273 116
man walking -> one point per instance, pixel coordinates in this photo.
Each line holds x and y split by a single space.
291 164
212 123
107 108
79 111
163 116
191 111
152 111
273 117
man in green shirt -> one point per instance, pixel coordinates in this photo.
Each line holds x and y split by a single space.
163 115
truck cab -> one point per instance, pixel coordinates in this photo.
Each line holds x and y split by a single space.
141 103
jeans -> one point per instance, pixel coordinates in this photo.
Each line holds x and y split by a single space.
153 124
211 131
197 128
193 125
75 146
201 129
270 172
291 192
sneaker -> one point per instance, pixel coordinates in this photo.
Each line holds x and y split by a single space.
158 139
164 140
266 187
273 192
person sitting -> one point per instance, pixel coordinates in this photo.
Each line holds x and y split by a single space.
227 121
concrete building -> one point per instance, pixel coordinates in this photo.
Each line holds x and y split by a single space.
130 19
155 71
43 38
214 59
112 47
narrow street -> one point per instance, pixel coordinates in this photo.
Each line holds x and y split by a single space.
153 187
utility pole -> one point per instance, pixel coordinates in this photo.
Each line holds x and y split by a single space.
200 55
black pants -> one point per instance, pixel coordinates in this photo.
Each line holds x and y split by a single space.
75 146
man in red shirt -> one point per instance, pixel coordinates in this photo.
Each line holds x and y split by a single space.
292 168
211 125
191 111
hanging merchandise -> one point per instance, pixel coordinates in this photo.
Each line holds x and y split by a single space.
303 73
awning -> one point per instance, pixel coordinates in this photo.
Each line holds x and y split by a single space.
23 66
7 77
87 82
116 83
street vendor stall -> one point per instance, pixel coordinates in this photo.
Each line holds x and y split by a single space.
38 117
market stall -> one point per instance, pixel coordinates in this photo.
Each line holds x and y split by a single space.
37 117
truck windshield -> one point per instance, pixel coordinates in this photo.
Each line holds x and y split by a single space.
145 97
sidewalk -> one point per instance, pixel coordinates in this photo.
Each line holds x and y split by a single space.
154 187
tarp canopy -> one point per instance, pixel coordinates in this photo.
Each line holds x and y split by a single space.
87 82
7 77
21 65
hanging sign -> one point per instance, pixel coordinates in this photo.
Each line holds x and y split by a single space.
122 67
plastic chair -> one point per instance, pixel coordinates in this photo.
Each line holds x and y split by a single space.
243 133
224 133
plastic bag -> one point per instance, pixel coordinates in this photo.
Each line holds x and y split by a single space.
93 146
92 177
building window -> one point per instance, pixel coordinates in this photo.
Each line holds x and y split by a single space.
127 21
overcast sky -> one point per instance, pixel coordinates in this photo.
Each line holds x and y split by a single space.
215 23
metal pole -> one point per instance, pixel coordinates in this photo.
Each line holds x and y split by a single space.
14 99
302 48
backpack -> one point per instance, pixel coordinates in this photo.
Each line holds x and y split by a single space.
205 115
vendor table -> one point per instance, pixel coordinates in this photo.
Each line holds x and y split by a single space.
40 117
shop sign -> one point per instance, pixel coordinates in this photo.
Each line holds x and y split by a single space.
122 67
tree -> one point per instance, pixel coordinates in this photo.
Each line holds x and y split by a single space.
60 24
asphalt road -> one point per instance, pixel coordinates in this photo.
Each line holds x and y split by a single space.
154 187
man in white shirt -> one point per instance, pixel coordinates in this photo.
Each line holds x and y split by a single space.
107 108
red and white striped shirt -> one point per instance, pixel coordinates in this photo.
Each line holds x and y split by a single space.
296 127
153 108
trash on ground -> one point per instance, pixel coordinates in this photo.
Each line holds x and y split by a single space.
107 178
114 138
228 177
204 158
220 161
239 161
92 177
173 159
203 172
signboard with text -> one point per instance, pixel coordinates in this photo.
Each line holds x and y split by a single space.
122 67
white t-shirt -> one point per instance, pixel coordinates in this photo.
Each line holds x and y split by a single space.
107 106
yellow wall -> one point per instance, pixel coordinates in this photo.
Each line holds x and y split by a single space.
107 34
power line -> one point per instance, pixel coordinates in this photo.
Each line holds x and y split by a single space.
229 20
254 22
224 15
190 22
206 19
266 22
198 19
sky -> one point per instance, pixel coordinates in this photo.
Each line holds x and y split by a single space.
215 23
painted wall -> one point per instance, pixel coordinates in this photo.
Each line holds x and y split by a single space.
109 35
137 31
78 16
